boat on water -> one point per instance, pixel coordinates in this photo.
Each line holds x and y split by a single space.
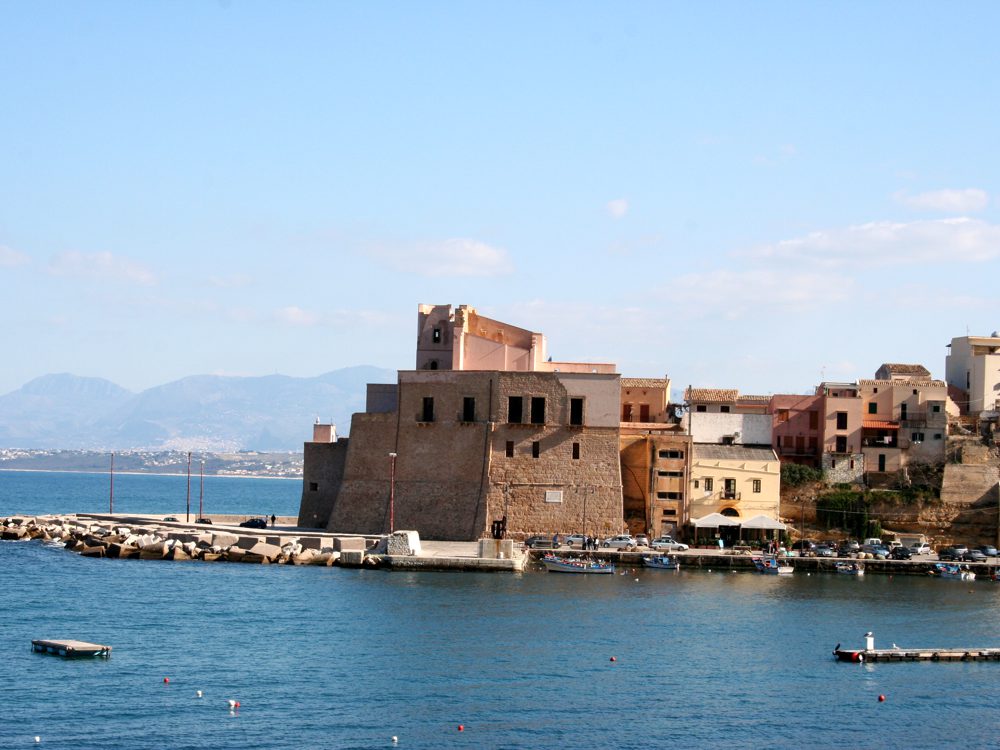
944 570
770 565
851 569
557 564
661 562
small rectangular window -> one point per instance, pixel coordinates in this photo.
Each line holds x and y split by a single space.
671 454
873 408
536 449
509 449
576 451
937 435
696 484
756 485
914 391
674 496
537 410
661 495
314 486
813 420
514 409
428 413
724 408
701 407
670 511
708 484
626 412
782 415
469 409
936 408
436 336
576 411
841 420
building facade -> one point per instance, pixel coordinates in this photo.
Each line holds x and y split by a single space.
973 368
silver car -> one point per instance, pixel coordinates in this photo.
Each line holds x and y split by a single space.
667 542
622 541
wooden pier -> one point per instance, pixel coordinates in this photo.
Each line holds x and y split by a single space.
71 649
918 654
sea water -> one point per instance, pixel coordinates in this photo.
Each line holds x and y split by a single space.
339 658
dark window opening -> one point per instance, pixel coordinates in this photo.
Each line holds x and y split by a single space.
514 409
644 412
314 486
701 407
537 410
576 451
841 444
436 336
469 409
671 454
873 408
510 448
841 420
724 409
536 448
434 364
626 412
709 484
576 411
428 413
813 420
756 485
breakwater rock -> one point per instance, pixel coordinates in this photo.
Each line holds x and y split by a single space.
152 541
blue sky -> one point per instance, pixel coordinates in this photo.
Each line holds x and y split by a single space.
745 195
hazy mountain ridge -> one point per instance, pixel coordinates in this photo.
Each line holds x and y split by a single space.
200 412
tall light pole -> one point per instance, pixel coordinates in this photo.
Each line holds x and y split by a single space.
392 492
201 492
111 499
187 518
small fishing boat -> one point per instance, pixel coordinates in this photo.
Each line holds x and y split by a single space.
771 566
557 564
661 562
851 569
953 571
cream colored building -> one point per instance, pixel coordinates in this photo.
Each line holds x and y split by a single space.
739 481
973 366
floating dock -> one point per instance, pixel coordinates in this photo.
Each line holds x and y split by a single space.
71 649
896 653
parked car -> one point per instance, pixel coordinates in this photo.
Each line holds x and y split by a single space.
825 550
804 547
920 548
875 550
900 553
641 540
667 542
171 518
951 553
574 540
622 541
849 545
255 523
988 549
974 555
203 520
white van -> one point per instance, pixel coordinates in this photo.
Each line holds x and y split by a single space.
874 541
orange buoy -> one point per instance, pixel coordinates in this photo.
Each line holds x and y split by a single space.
166 680
881 699
461 727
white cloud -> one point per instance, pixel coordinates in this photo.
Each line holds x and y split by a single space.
454 257
734 294
618 207
296 316
102 266
234 281
10 258
884 243
946 201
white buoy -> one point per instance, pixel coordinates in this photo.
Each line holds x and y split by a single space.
198 693
37 738
232 703
395 739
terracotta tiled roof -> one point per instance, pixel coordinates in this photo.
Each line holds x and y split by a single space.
879 424
754 399
900 369
901 382
711 395
645 383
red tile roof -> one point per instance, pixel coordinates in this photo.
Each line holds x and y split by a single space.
879 424
711 395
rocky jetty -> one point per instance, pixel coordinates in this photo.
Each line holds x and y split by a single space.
151 541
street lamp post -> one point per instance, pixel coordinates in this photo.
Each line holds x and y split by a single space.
187 518
392 492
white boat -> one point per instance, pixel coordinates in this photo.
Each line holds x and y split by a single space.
661 562
557 564
953 571
851 569
770 565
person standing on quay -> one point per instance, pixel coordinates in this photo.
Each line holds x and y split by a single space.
273 520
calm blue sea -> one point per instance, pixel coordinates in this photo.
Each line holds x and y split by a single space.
331 658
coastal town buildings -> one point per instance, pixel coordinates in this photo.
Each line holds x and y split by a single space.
486 430
972 368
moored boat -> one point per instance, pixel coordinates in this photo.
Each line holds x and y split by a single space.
661 562
953 571
769 565
557 564
851 569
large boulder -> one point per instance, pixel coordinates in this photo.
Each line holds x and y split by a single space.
223 539
350 544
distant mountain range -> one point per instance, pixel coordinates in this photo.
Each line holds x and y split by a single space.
201 412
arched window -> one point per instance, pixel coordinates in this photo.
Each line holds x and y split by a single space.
434 364
730 512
